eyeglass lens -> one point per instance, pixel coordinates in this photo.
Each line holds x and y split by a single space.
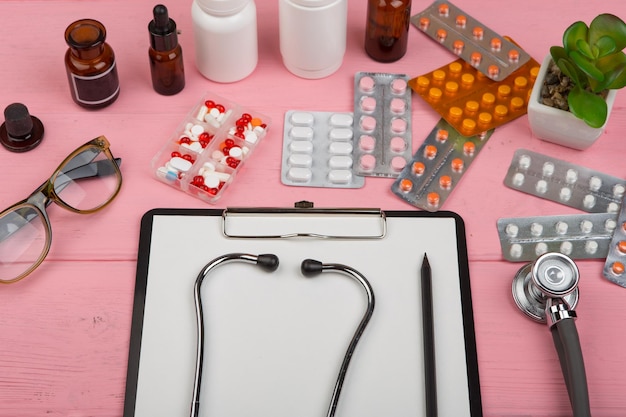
85 182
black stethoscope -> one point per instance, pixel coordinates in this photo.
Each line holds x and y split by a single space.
546 290
269 263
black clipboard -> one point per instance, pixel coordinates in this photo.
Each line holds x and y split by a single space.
275 341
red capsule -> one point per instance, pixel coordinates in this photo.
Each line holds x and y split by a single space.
209 103
221 108
175 154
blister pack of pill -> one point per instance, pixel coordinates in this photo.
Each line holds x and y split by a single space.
478 45
471 102
579 236
615 264
382 124
209 147
317 150
566 183
437 166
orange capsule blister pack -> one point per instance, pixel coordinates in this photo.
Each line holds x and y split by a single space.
471 102
437 166
493 55
615 264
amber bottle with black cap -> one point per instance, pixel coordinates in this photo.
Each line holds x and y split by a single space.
387 29
166 54
90 65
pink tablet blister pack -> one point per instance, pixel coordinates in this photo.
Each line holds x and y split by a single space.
566 183
437 166
491 54
382 124
317 150
209 147
615 264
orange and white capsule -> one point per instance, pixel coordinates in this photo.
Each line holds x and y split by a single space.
406 185
418 168
478 33
442 135
621 246
469 148
457 165
430 151
458 46
496 44
445 182
441 34
514 55
476 58
444 10
424 23
433 199
493 71
461 21
617 268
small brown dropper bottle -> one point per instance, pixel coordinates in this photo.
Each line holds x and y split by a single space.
387 29
166 55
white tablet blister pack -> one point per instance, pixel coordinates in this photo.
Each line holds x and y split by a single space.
382 124
566 183
615 264
317 150
579 236
437 166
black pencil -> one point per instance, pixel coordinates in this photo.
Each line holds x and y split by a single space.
430 379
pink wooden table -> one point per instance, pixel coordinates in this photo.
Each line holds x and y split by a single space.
64 331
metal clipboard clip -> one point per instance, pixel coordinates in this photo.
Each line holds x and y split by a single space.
304 221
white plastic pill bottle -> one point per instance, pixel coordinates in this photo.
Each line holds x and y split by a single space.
312 36
225 33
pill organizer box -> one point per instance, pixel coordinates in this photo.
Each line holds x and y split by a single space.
317 150
615 264
471 102
437 166
493 55
563 182
209 147
382 124
579 236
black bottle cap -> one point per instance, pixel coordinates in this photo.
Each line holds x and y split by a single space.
20 132
163 35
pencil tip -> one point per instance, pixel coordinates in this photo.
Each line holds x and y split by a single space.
426 259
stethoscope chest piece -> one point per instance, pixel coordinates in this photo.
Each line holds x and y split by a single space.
552 275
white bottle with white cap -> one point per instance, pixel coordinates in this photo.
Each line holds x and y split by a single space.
312 36
225 33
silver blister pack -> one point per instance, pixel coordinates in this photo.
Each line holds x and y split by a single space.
579 236
484 49
615 264
317 150
566 183
437 166
382 124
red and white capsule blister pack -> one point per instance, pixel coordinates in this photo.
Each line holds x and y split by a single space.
615 263
481 47
437 166
382 124
566 183
579 236
317 150
209 147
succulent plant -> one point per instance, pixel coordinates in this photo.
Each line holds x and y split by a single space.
592 57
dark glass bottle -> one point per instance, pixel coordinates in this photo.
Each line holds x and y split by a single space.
166 55
387 29
90 65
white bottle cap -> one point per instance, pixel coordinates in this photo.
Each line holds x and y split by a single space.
222 7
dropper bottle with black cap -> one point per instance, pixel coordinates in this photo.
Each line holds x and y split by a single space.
166 55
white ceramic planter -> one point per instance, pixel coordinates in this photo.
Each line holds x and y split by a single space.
559 126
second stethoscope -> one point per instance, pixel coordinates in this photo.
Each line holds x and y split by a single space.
269 262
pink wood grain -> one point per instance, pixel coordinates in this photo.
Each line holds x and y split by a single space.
64 331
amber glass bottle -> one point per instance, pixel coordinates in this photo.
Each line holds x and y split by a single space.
90 65
387 29
165 53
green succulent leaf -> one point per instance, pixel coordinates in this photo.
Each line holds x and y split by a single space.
606 46
589 107
575 32
586 66
584 49
614 68
569 69
608 25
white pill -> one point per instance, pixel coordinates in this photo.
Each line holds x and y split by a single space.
180 164
586 226
618 190
340 162
536 229
595 183
518 179
299 174
250 136
196 130
341 134
340 148
541 248
541 187
301 146
548 169
561 227
300 160
511 230
524 161
516 250
302 118
194 146
341 120
565 194
610 225
217 155
214 112
566 248
211 180
591 247
202 112
340 176
613 207
301 133
260 131
571 176
211 120
235 152
589 201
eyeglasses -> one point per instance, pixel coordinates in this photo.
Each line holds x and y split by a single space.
85 182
